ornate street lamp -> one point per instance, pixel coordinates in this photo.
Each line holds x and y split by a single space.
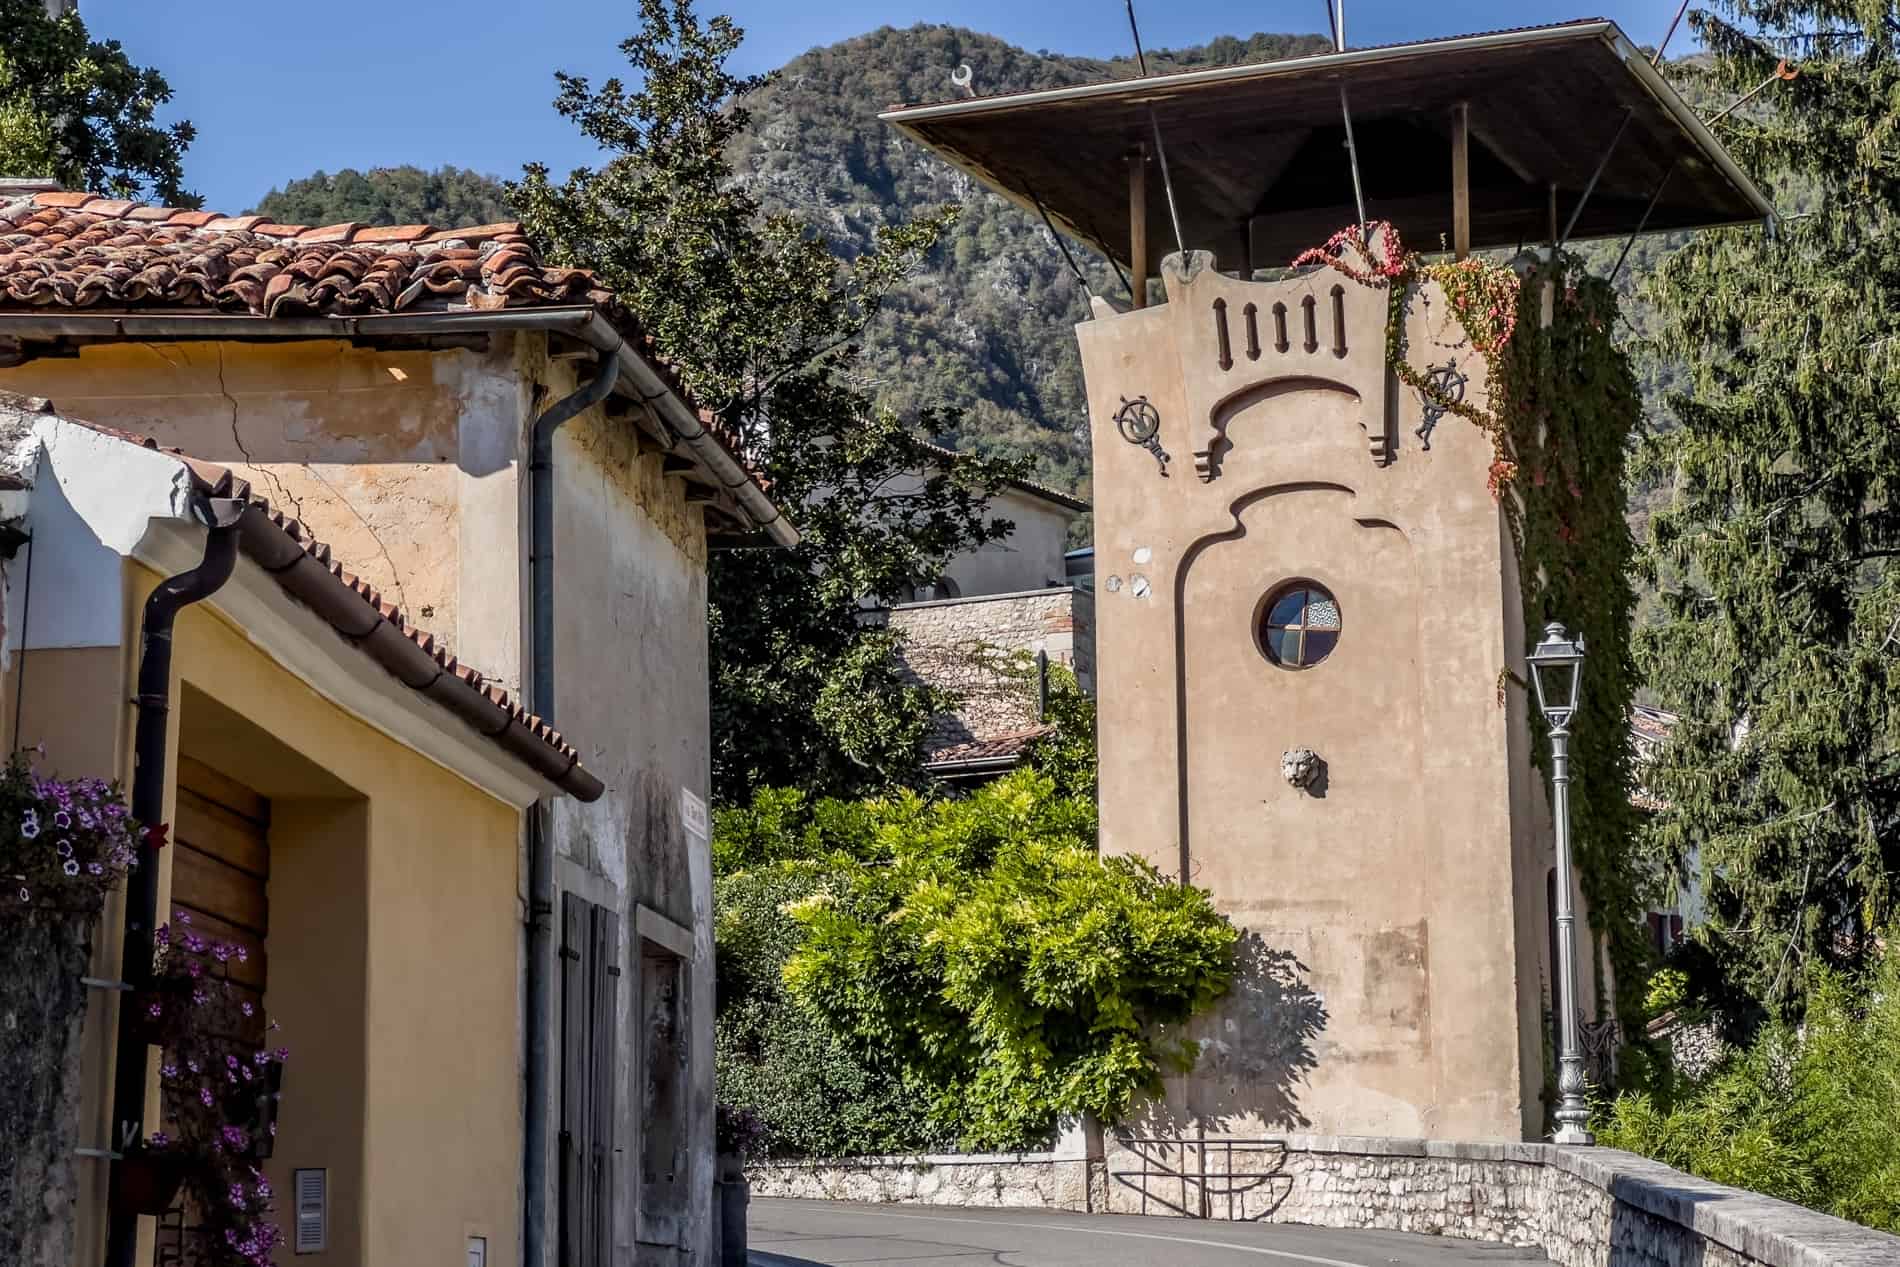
1557 670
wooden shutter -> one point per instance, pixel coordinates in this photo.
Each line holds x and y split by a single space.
590 947
221 873
605 970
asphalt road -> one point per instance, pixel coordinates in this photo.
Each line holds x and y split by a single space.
784 1233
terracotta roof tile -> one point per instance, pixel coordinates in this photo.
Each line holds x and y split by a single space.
82 252
79 250
395 233
994 748
488 708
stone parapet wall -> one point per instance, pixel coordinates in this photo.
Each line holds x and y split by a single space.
1593 1207
1018 1181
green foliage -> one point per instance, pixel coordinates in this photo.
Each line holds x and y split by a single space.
1568 401
78 110
1777 640
1014 976
1808 1114
764 321
814 1095
448 197
1067 754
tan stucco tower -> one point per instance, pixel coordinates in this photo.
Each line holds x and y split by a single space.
1400 866
1308 611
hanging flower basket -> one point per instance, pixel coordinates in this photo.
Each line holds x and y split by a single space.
147 1181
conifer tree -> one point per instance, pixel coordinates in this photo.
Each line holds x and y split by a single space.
1780 642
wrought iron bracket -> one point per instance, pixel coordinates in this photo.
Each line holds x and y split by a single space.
1447 384
1140 425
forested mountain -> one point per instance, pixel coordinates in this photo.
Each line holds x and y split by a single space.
987 330
984 333
445 197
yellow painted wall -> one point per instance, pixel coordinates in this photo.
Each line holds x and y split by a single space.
393 949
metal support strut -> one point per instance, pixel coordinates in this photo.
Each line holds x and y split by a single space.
1642 223
1595 176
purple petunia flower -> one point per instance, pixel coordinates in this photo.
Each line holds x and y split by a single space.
64 848
205 1097
62 819
25 896
155 1011
30 824
71 867
158 1139
93 868
168 1071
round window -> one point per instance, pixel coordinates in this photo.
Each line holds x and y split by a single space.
1299 625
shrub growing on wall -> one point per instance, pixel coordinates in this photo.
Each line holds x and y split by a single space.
1015 977
812 1094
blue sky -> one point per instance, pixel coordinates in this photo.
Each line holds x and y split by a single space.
279 90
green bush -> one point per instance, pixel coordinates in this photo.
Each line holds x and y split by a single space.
1809 1114
982 947
814 1095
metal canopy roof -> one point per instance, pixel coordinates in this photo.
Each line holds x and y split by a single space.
1258 158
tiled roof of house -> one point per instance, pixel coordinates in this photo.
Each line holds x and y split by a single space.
1008 747
90 254
80 250
308 572
951 456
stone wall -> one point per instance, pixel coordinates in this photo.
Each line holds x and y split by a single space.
1583 1207
959 644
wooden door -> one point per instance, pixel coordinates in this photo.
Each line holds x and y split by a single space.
221 871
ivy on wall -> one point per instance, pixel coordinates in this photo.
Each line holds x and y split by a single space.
1562 406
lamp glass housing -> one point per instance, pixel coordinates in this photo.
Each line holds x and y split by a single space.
1557 672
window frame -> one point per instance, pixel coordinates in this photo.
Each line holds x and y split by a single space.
1264 627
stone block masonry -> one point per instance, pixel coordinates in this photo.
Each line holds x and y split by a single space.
1582 1207
955 644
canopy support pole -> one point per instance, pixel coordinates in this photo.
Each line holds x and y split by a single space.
1461 180
1138 266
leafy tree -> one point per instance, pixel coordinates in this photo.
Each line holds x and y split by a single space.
763 321
1014 976
446 197
1808 1114
1780 640
76 109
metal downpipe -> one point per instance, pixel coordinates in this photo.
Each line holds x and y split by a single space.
534 1152
173 594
